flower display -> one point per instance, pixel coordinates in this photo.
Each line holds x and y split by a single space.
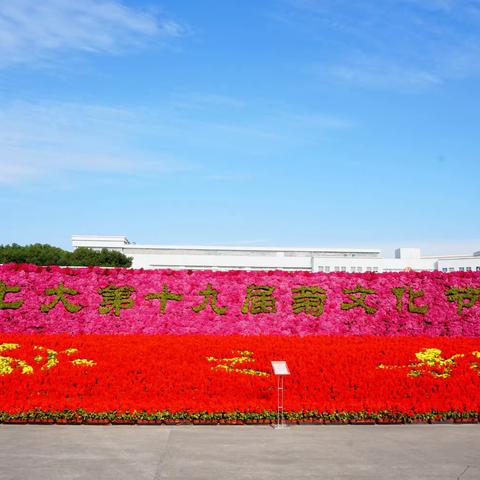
123 301
142 375
161 346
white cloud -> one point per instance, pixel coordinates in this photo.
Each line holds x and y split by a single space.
441 5
39 140
373 7
11 173
200 101
42 139
315 121
406 44
37 30
379 73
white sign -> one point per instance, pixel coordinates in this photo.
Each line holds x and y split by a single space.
280 368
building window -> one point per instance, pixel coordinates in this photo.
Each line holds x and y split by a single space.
352 269
469 269
337 269
375 269
444 269
320 268
327 269
359 269
369 269
478 269
344 269
461 269
451 269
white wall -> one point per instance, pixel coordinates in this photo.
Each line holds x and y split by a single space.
378 264
220 262
459 264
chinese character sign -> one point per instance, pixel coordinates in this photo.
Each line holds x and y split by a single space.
97 300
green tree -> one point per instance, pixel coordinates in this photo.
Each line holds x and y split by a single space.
44 254
83 256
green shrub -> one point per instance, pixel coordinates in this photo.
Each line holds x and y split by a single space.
44 254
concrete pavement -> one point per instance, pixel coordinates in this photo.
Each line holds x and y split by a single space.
41 452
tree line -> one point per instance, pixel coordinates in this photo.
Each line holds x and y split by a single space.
44 254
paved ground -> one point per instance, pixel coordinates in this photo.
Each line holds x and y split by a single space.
384 452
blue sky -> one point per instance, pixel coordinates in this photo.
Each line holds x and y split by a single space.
234 122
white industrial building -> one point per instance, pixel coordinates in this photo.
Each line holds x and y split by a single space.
270 258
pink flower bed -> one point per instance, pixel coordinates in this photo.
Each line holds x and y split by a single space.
125 301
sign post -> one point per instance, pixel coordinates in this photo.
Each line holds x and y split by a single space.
280 370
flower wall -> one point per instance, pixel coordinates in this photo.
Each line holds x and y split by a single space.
159 346
122 301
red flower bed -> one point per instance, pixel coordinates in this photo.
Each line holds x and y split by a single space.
228 379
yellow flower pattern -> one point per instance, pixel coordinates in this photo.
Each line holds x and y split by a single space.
431 361
49 356
230 364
